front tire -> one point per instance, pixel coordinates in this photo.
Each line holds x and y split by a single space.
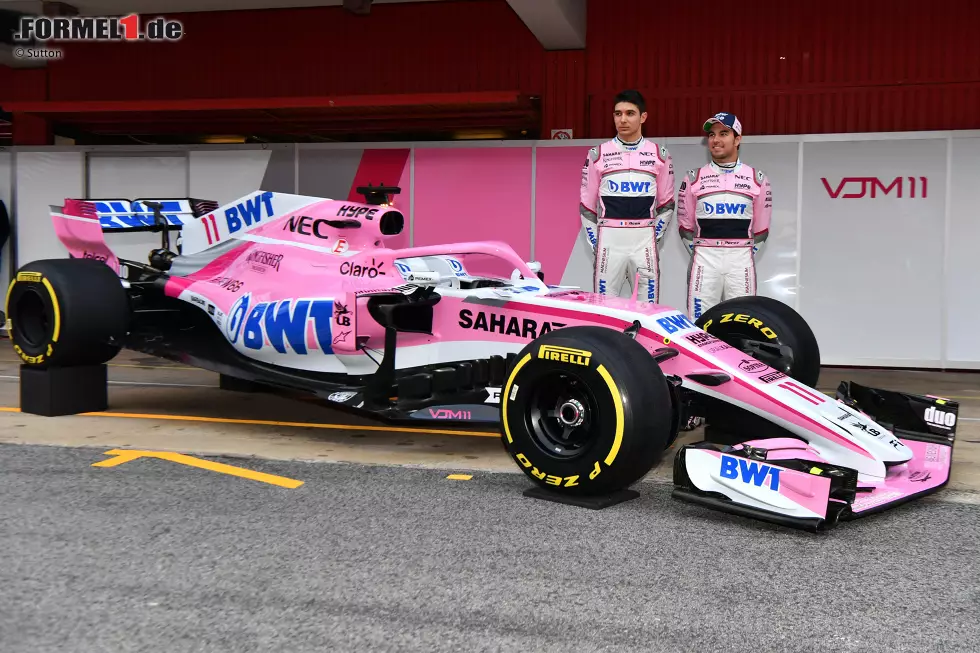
586 411
67 312
769 331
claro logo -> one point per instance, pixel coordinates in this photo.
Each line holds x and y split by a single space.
857 187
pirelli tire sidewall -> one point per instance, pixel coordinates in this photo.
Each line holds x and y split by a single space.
65 312
633 403
767 320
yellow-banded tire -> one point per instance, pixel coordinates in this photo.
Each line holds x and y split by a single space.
585 411
66 312
744 322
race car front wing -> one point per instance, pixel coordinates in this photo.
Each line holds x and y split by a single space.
784 481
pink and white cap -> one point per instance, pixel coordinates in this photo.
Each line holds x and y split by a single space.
727 119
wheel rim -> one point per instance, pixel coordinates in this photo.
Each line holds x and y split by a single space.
32 319
562 415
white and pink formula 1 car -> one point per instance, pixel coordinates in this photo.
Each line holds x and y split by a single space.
301 294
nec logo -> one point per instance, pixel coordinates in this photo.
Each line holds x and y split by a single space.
724 208
749 472
858 187
629 186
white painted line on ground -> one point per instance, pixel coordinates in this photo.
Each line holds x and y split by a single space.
173 385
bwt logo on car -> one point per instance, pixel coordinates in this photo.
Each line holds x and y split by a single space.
280 322
629 186
750 473
675 323
724 208
249 212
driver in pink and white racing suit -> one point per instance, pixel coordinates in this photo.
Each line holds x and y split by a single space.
723 214
627 201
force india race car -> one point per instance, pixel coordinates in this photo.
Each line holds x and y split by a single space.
301 294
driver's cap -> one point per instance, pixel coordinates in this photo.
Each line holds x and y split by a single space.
727 119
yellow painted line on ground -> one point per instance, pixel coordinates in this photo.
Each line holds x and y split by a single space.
459 477
267 422
126 455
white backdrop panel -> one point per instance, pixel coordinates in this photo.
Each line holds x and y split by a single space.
963 268
158 176
872 267
43 179
776 267
6 172
226 175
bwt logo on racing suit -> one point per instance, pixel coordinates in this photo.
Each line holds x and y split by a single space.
724 208
628 186
875 184
749 472
280 322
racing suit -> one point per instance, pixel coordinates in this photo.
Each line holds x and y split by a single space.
723 214
627 201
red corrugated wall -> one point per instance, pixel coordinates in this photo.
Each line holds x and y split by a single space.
478 45
784 67
564 99
789 67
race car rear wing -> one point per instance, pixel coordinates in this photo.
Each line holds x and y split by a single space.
122 215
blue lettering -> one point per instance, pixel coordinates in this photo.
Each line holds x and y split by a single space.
697 308
236 317
253 338
675 323
250 212
749 472
322 312
729 467
283 322
231 217
279 324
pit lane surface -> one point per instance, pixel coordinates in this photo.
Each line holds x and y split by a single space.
153 554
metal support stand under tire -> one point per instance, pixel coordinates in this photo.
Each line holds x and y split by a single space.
592 503
55 391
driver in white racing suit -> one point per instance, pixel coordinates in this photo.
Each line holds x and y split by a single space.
723 214
627 201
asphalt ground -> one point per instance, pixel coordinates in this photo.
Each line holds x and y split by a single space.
378 549
156 555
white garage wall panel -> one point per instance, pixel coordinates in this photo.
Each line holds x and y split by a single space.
226 175
962 260
129 177
44 179
872 261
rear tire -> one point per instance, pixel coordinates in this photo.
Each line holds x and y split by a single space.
586 411
67 312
